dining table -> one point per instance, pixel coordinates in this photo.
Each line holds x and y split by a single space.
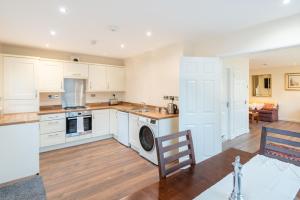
188 183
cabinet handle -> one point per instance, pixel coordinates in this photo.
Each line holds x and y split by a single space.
53 135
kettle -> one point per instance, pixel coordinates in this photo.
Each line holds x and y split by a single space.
172 108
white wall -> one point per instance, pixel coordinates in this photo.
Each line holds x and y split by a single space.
152 75
288 101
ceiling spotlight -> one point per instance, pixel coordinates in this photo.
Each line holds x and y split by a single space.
53 33
63 10
122 46
285 2
149 33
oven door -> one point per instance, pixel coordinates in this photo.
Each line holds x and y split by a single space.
146 138
71 127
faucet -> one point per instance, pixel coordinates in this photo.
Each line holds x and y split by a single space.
144 106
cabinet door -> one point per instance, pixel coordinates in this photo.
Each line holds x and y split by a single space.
97 78
133 132
76 70
100 124
116 78
113 121
50 76
20 78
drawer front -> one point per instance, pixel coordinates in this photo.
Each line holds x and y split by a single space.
52 117
52 126
52 139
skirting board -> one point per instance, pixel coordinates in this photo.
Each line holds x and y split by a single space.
75 143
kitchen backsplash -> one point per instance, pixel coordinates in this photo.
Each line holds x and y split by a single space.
48 99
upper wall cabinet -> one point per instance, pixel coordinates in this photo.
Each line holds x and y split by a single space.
76 70
50 76
20 78
116 79
97 78
106 78
20 91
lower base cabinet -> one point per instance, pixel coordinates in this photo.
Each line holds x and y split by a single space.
100 124
50 139
19 151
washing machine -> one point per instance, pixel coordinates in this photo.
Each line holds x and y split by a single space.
148 130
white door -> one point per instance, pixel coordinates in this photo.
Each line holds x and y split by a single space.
20 85
116 78
133 132
50 76
113 122
76 70
97 78
100 124
123 120
225 113
200 100
20 78
239 102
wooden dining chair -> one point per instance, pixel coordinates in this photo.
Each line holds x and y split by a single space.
280 144
174 159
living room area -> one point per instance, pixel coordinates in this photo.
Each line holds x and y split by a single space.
273 92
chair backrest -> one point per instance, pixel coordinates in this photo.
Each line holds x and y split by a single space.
176 145
280 144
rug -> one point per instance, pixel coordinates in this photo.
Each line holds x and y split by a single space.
27 189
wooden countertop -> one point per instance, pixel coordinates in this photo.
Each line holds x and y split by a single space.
21 118
125 107
18 118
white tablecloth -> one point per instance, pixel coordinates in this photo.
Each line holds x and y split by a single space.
263 179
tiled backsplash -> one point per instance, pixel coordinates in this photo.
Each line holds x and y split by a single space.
48 99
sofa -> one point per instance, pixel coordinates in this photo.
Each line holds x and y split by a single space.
267 112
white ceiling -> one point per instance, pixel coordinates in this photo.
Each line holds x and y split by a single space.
287 57
28 22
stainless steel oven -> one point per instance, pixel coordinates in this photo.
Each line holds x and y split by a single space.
78 123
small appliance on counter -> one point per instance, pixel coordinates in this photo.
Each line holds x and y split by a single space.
172 107
113 101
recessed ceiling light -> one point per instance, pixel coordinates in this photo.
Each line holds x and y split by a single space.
63 10
285 2
53 33
149 33
122 46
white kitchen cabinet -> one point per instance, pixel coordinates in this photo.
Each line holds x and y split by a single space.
50 139
123 135
20 84
100 124
76 70
52 129
19 151
116 79
97 78
50 76
134 132
113 122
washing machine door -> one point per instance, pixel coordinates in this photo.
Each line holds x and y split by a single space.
147 139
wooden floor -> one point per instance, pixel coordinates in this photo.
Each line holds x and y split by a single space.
99 170
250 141
108 170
